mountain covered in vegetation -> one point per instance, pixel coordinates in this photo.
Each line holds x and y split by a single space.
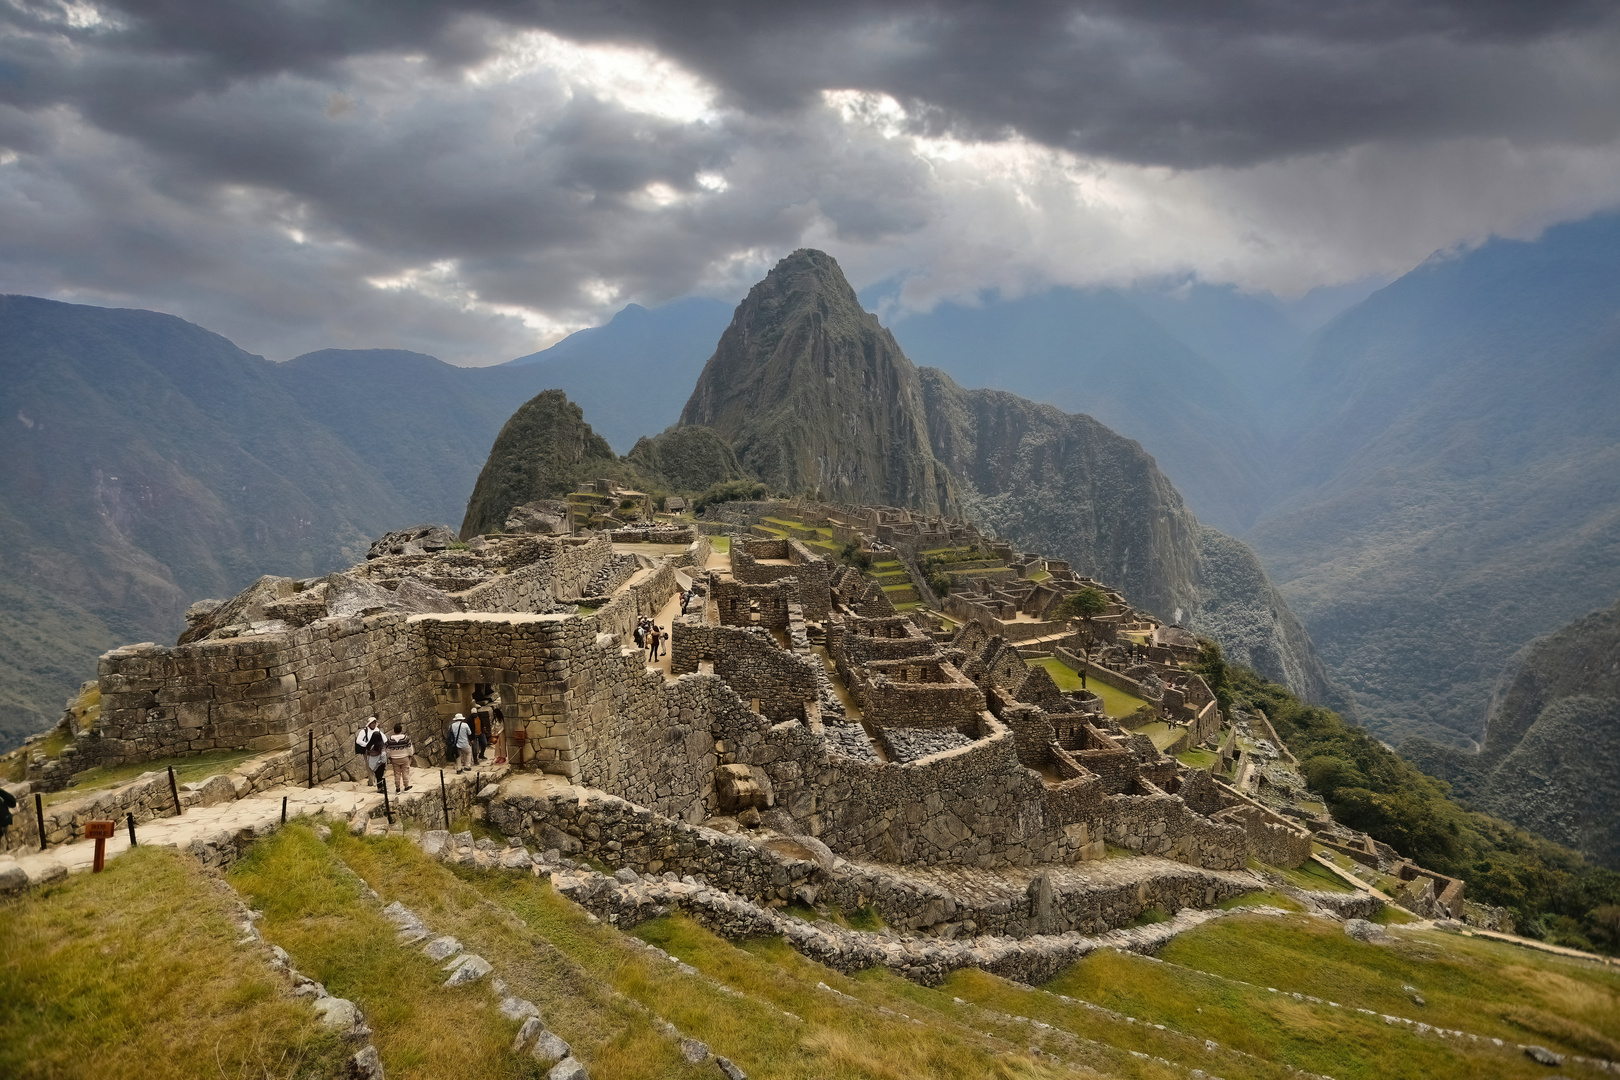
1449 480
1551 757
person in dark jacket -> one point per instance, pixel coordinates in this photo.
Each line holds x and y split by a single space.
7 802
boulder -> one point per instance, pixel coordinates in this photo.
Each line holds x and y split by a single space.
549 1047
695 1052
420 540
1369 932
366 1065
441 947
466 968
737 789
568 1069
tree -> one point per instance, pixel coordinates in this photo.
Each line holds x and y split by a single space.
1084 605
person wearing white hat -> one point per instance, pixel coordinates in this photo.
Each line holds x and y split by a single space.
461 739
376 759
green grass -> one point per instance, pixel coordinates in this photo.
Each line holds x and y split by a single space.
1280 1028
1198 759
1489 988
591 984
187 770
1037 575
338 937
720 544
1261 898
1115 702
137 972
1163 734
1312 875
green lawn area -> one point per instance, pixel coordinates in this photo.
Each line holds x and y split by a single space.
136 971
1162 734
1489 988
1116 703
1313 875
1198 759
186 770
1037 575
720 544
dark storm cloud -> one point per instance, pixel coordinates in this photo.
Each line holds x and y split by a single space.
1175 82
299 173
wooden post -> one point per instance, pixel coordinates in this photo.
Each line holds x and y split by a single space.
131 819
284 809
175 791
388 811
443 795
311 757
39 809
100 832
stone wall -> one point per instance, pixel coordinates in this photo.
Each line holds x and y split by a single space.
266 693
751 664
1271 838
812 572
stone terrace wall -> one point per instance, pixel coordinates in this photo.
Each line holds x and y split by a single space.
1160 824
1271 839
813 572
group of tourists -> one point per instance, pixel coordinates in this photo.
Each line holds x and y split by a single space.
465 741
652 637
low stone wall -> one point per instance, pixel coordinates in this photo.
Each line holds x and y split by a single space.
1106 676
1271 838
1161 824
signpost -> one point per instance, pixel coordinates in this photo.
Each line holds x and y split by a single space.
100 832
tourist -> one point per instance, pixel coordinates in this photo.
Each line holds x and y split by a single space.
7 801
655 636
640 635
480 732
497 735
376 758
461 739
399 749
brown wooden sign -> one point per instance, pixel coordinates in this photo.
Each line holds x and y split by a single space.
100 832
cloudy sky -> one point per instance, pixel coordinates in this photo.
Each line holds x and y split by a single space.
474 179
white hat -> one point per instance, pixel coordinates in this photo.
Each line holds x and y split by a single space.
371 720
460 717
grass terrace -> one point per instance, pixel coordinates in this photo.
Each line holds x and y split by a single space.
186 770
1116 703
138 971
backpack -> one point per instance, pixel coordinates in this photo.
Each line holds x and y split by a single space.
362 740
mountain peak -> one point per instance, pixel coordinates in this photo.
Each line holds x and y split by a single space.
816 396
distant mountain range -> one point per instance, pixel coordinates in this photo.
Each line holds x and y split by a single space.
1431 477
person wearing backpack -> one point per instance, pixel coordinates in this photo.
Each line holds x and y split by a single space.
461 739
376 758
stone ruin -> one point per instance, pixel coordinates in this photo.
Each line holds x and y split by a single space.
796 699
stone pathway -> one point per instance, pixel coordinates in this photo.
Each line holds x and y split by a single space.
211 831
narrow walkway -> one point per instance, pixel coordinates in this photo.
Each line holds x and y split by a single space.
338 801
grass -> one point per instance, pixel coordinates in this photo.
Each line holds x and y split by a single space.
1198 759
338 937
1488 988
1115 702
136 972
186 770
1037 575
721 545
1261 898
1281 1028
1163 735
598 988
1312 875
